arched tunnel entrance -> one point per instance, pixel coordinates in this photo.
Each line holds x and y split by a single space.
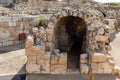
70 34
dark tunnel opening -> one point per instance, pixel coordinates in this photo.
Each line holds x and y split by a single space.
71 33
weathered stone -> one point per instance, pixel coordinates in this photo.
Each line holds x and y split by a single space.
44 59
91 28
64 12
31 59
45 68
7 43
35 50
35 30
107 71
105 65
63 59
53 18
56 52
54 59
75 13
32 68
83 58
95 65
29 42
101 31
58 69
49 33
83 68
98 71
111 23
109 57
116 70
101 38
108 35
48 46
98 57
111 62
51 25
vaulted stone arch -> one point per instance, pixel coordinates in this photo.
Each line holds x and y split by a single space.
65 27
92 18
95 37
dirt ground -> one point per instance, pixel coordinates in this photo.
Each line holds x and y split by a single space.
115 45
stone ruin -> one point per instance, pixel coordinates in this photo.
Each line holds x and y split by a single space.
68 40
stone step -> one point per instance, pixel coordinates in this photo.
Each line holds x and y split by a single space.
71 77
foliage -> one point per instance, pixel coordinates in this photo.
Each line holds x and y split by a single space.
42 22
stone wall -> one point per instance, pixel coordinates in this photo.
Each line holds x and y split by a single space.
96 44
11 27
40 61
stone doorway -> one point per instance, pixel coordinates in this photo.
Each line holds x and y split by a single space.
70 36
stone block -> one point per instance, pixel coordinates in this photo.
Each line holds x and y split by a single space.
63 59
35 50
45 68
84 68
64 12
44 59
95 65
111 62
58 69
98 71
35 30
32 68
83 58
31 59
101 38
50 24
116 70
48 46
98 57
53 18
111 23
101 31
54 59
7 43
107 71
105 65
29 42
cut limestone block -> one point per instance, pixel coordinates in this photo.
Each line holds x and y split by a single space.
54 59
44 59
63 58
84 68
58 69
98 57
35 50
101 38
107 71
45 68
48 46
83 58
98 71
31 59
29 42
32 68
116 70
105 65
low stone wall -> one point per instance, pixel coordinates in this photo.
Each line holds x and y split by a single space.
40 61
101 63
11 27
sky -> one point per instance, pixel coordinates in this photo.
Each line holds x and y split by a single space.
107 0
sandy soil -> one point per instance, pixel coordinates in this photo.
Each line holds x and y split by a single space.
115 44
